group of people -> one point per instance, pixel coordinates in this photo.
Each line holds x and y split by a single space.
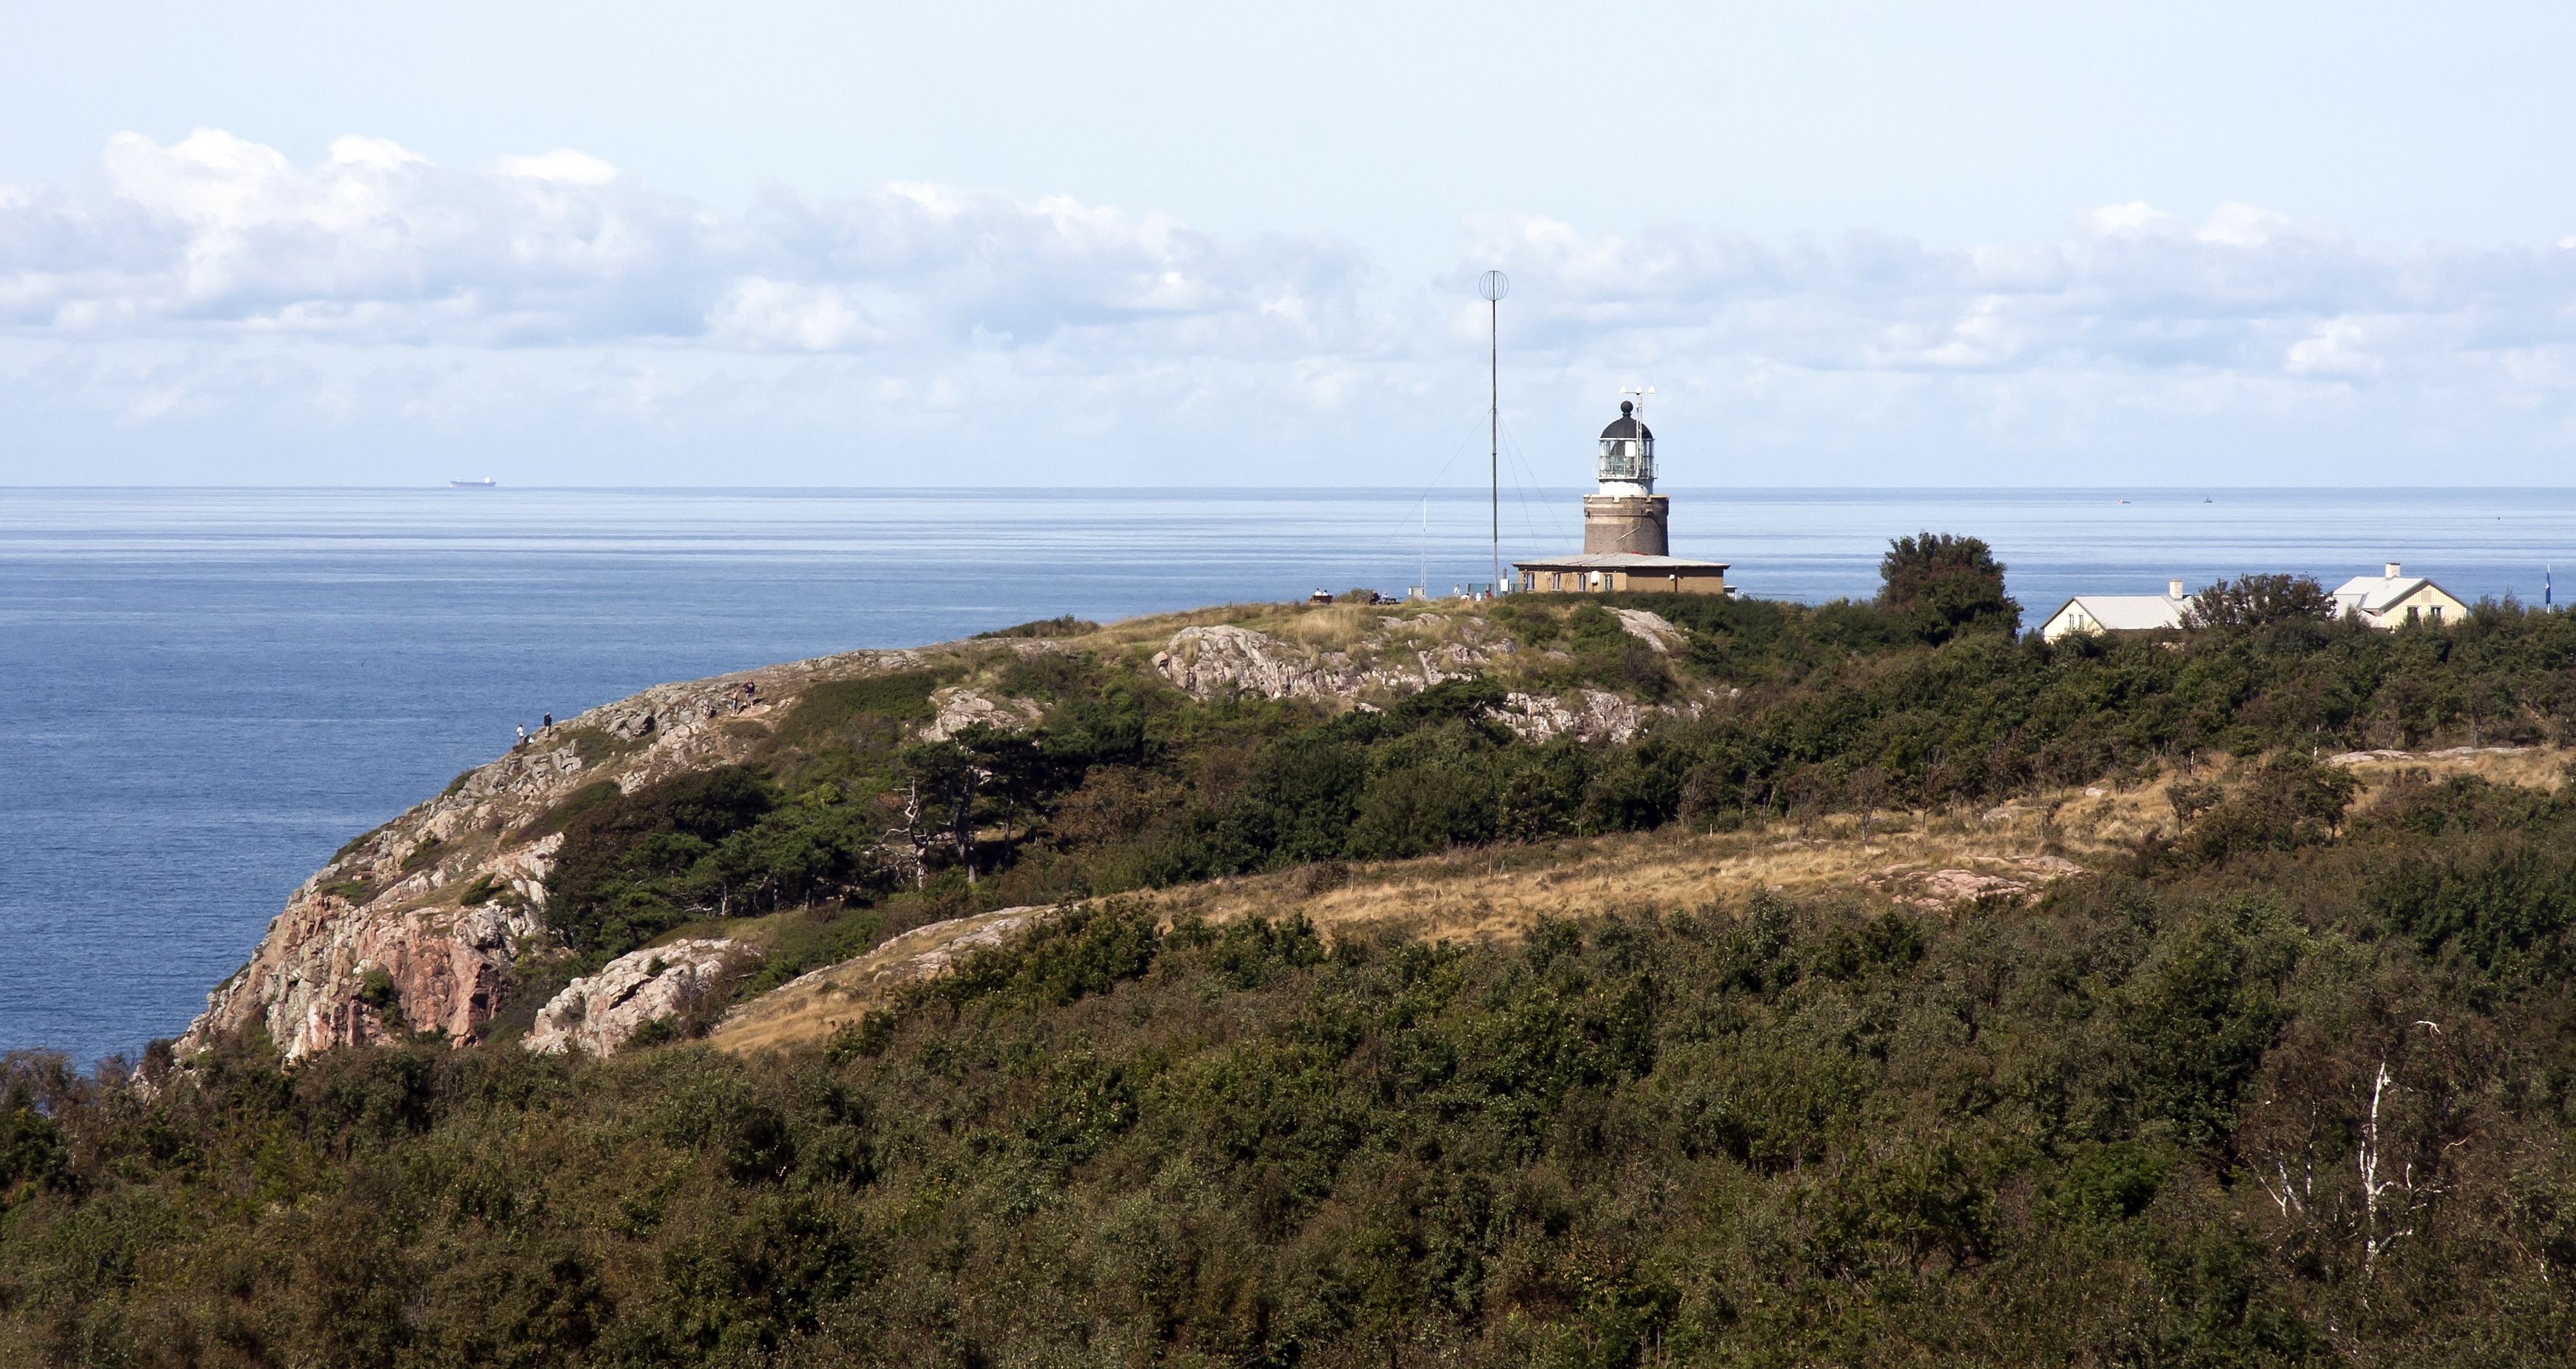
542 729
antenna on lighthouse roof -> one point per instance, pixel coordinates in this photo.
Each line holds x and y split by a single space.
1492 286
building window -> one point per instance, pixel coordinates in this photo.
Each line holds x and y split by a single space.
2414 614
2437 613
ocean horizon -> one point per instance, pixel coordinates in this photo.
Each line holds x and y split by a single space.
219 685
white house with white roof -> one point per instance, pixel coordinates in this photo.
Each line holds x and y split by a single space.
2390 600
2117 613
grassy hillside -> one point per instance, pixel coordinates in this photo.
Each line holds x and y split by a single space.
2288 1078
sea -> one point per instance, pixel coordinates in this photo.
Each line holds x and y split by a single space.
209 690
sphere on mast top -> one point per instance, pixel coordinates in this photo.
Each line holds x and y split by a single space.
1492 286
1626 427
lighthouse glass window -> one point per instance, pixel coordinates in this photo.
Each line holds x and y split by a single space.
1622 459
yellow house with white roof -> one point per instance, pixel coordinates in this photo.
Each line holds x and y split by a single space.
2392 600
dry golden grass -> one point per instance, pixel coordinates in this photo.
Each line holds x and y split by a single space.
818 1004
1336 628
1496 894
2536 767
1490 895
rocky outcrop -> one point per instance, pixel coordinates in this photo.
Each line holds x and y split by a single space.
1206 661
417 926
2018 879
1398 656
959 708
2385 756
597 1013
1590 715
1650 628
331 974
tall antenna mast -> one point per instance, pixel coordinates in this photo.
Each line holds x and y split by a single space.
1493 287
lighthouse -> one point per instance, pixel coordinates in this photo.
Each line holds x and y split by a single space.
1626 528
1626 515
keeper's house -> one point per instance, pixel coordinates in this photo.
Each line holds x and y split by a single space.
2117 613
1625 541
2395 599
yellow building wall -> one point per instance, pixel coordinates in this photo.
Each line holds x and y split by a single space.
1620 581
2424 601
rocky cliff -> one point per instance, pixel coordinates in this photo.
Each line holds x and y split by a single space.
417 925
424 924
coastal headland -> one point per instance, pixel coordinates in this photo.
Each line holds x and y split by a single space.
1554 976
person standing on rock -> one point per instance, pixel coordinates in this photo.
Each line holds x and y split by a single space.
523 734
548 725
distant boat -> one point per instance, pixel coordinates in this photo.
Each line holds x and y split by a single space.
2124 501
485 483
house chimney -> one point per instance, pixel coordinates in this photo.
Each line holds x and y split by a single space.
2173 589
2392 570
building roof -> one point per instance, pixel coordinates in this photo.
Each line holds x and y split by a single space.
2126 612
1616 560
1627 426
2375 594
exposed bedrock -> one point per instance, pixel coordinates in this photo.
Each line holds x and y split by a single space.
597 1013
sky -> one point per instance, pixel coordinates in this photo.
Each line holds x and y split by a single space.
2171 244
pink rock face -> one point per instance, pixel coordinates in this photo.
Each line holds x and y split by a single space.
307 985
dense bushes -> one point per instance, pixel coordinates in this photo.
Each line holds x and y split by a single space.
606 891
1941 586
2125 1126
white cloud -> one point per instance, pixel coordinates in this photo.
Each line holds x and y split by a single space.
1056 316
760 314
214 235
564 164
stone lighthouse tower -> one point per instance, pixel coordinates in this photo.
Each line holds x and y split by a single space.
1627 515
1625 547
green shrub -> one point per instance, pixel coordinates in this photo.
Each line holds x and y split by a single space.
377 989
1062 625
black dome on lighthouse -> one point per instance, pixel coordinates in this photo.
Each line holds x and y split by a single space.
1626 425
